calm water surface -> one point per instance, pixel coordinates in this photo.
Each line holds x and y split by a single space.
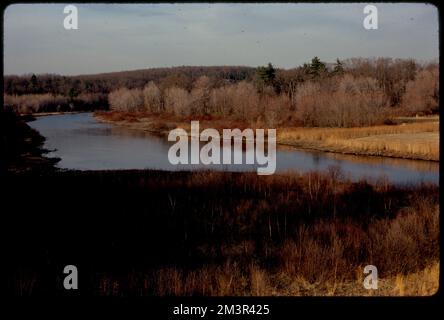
86 144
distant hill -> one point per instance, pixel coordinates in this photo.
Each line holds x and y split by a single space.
182 76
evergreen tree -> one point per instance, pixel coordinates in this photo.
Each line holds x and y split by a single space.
267 74
34 83
315 69
338 69
72 94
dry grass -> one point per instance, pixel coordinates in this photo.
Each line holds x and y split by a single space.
353 133
289 234
422 145
409 140
416 118
322 254
423 283
229 280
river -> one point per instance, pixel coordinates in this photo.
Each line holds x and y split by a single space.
84 143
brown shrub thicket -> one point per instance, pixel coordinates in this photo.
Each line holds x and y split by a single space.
249 234
370 94
178 101
34 103
200 96
245 101
422 93
351 102
152 98
125 99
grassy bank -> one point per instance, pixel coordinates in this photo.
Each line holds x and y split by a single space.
212 233
418 140
411 138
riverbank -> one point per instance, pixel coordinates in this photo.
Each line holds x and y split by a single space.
22 146
410 138
42 114
419 141
161 124
146 232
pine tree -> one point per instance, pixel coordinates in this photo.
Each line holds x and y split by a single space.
72 94
316 68
267 74
34 83
338 69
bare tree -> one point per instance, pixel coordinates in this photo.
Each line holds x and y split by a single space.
354 101
152 98
177 101
126 100
245 101
201 95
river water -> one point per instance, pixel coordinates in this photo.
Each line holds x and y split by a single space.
86 144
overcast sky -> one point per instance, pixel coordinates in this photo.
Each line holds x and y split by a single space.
138 36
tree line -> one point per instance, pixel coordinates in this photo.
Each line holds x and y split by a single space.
353 92
107 82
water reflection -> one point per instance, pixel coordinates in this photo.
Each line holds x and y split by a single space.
83 143
373 160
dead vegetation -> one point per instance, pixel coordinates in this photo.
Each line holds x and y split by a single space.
215 233
415 140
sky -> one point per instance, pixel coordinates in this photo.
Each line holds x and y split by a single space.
118 37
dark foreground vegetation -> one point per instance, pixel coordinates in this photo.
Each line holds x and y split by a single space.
21 146
210 233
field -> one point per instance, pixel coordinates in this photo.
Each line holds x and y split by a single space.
408 140
258 282
154 233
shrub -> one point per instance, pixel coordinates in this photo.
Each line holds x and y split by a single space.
422 94
353 101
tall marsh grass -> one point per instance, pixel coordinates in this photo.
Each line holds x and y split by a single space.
214 233
410 140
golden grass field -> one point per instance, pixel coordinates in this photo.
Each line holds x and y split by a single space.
416 140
